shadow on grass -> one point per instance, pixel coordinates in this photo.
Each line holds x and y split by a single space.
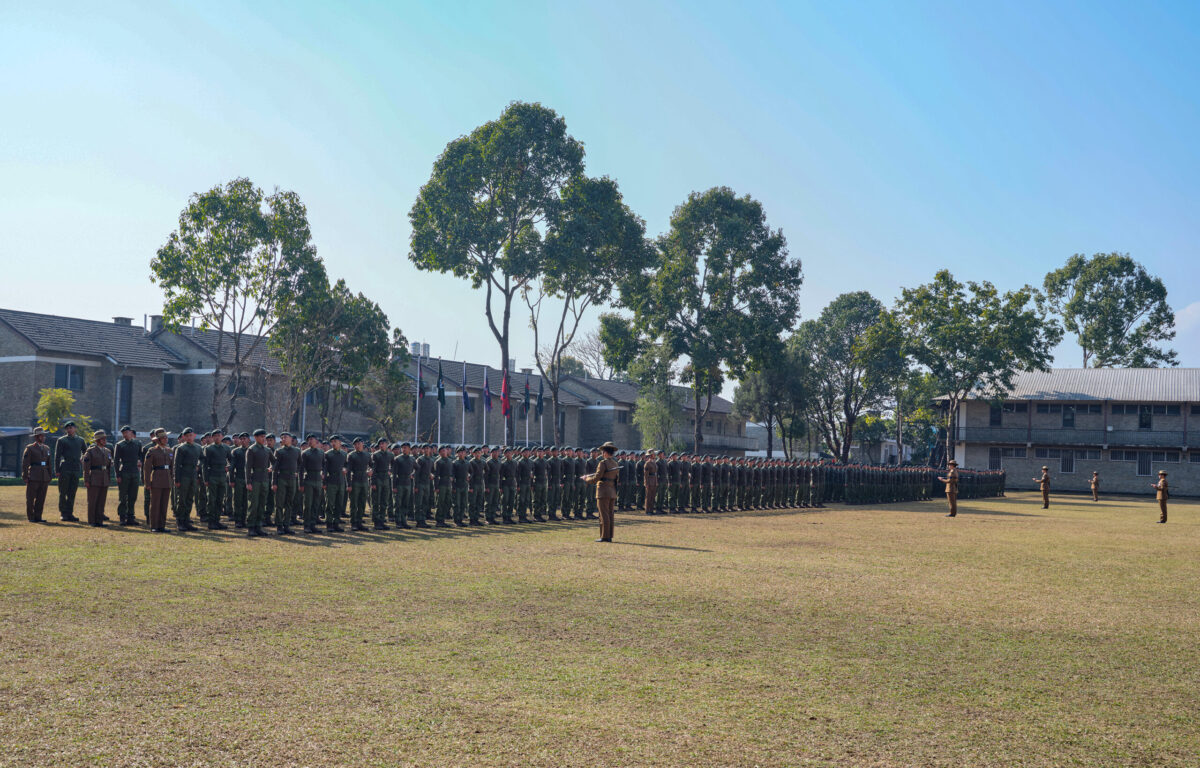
660 546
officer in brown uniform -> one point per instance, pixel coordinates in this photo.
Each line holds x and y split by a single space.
97 463
35 471
1044 483
157 477
1095 485
605 480
650 479
951 481
1162 494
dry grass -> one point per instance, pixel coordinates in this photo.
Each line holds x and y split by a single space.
872 637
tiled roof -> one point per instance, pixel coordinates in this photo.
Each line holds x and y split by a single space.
452 372
1176 385
626 393
128 345
207 340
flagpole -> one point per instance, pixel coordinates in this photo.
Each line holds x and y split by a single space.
487 401
464 404
417 418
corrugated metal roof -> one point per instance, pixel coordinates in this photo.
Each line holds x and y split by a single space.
1143 385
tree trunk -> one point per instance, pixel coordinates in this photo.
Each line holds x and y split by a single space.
558 436
770 431
697 438
950 412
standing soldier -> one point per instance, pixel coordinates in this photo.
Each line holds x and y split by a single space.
650 478
127 456
1044 483
541 484
402 484
492 469
443 477
951 481
152 442
35 471
1095 484
312 475
508 487
187 463
422 486
381 485
605 478
237 467
68 457
257 480
97 464
524 485
554 486
592 500
462 486
201 495
156 476
475 498
1162 495
285 482
358 471
335 484
216 479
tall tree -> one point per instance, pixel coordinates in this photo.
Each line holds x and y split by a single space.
1116 309
974 339
237 261
852 364
773 392
659 405
595 243
388 392
721 292
589 349
491 204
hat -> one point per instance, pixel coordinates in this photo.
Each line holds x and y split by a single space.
310 436
217 431
1162 471
260 432
952 461
404 444
68 424
335 437
270 435
358 440
126 428
608 444
187 431
1045 467
285 434
38 431
160 432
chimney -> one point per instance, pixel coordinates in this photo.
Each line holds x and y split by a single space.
123 321
156 323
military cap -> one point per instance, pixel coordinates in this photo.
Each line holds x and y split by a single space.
310 436
270 435
187 431
335 437
285 434
260 431
404 444
1162 472
160 431
1045 467
227 439
218 431
68 424
126 428
955 463
98 433
358 439
608 444
38 431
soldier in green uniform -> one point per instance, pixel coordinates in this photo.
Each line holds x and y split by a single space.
478 485
539 487
358 471
285 482
443 478
312 478
553 483
256 477
237 468
201 495
127 459
68 465
335 484
215 462
423 480
186 469
508 487
461 472
402 484
381 485
524 484
491 484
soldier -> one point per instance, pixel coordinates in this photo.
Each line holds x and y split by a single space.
461 498
237 467
285 479
156 476
402 484
68 455
269 512
151 443
524 484
127 458
97 464
423 480
593 506
335 484
35 471
951 481
443 474
581 489
201 494
358 471
381 485
1161 494
186 466
1044 483
508 487
540 485
215 462
491 484
1095 485
605 477
312 478
257 479
650 479
553 484
228 442
478 486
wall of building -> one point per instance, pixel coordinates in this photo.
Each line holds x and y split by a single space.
1115 476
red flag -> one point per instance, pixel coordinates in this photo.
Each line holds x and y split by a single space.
504 407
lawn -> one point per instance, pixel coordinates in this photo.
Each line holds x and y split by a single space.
889 636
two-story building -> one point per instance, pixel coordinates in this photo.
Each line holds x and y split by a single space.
1126 423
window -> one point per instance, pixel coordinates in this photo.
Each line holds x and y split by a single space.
68 377
1095 408
1118 409
1090 454
1014 453
1196 410
1165 457
995 416
168 384
996 456
994 460
622 417
1172 410
1041 453
1194 457
1067 462
240 384
1068 413
1043 408
708 423
1145 419
124 399
1016 407
1143 463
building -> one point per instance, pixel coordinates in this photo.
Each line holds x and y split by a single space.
1125 423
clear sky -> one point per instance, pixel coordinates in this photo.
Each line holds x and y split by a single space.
887 140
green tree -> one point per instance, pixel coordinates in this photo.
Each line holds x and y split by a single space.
773 393
494 200
854 354
237 261
1117 311
388 392
872 430
974 339
595 243
57 406
659 405
721 292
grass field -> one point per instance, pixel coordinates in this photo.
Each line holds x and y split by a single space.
890 636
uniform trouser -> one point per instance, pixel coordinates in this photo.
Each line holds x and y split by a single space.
952 500
402 504
491 503
651 491
97 495
185 496
1095 494
68 483
508 500
146 504
605 507
1162 508
672 496
420 503
461 500
381 498
539 499
311 496
475 503
159 499
443 505
697 497
524 501
553 498
335 500
127 492
216 500
639 498
286 488
35 499
358 502
1046 498
241 503
257 497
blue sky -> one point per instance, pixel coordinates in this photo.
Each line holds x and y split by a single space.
887 140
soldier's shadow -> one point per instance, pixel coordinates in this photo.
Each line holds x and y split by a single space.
417 535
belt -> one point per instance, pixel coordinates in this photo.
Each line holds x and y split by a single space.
285 474
41 463
165 466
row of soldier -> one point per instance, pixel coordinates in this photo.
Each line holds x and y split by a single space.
259 480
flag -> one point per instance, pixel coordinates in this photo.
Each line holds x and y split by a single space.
420 382
487 393
505 406
441 387
467 406
541 394
525 412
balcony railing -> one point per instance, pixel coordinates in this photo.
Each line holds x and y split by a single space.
1066 436
716 441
